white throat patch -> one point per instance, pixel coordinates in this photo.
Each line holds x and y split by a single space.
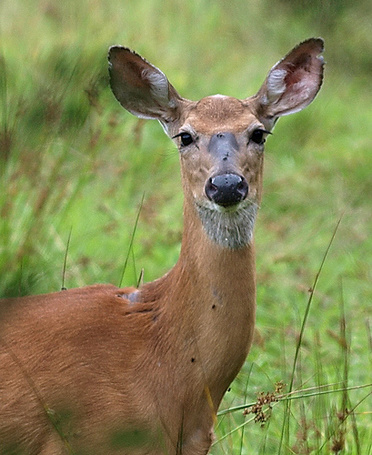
229 228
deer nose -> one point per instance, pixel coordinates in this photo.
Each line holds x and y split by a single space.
226 189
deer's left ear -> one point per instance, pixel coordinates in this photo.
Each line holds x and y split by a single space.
292 83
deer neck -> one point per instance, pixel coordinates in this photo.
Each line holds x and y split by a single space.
223 276
208 301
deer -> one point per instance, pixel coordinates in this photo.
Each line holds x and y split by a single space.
142 371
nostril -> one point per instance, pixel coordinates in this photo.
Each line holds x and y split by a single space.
242 188
211 189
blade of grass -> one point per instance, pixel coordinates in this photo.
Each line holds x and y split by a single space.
245 398
287 410
5 134
131 241
140 278
63 288
292 396
345 346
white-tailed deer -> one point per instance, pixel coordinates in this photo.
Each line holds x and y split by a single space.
102 370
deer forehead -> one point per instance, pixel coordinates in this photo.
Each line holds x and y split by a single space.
219 113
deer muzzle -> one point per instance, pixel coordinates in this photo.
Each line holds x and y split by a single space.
226 188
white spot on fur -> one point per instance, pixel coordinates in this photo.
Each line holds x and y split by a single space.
219 96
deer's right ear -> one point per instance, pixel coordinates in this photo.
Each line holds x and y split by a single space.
140 87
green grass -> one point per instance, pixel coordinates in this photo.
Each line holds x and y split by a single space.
71 160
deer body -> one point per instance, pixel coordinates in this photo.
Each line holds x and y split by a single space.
105 370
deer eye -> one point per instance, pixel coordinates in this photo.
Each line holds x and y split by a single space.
258 136
186 138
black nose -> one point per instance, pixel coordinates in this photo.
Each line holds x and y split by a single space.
226 189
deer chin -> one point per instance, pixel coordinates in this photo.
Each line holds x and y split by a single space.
229 227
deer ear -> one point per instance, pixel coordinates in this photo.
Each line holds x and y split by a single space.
140 87
293 82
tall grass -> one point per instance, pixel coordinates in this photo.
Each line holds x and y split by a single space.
74 167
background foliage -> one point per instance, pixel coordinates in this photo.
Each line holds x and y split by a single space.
73 162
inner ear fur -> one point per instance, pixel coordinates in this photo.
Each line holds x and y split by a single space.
293 82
